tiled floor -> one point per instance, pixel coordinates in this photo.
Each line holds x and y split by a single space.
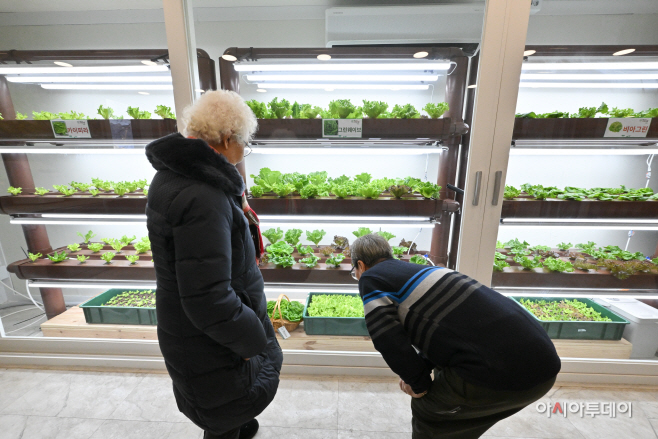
36 404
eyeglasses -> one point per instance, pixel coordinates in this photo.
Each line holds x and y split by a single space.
353 274
245 145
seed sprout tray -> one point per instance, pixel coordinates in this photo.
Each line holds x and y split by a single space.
581 330
333 325
95 312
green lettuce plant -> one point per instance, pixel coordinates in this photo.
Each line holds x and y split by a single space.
40 191
310 261
14 190
315 236
418 259
58 257
164 112
292 236
436 110
74 247
95 247
334 261
82 258
33 257
132 259
362 231
273 235
108 256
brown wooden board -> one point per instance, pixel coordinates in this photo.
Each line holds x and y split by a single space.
99 129
136 204
372 128
72 324
541 278
593 128
586 209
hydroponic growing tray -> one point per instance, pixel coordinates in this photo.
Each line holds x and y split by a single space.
554 208
98 129
95 312
333 325
592 128
579 330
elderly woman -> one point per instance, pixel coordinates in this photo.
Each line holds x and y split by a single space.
217 341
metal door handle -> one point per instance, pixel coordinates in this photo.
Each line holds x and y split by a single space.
496 191
476 193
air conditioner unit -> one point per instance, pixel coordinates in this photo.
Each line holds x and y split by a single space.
450 23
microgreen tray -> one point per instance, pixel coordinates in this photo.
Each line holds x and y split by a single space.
333 325
95 312
579 330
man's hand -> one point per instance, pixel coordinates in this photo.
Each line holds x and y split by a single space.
406 388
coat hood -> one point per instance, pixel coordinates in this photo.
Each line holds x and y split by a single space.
194 159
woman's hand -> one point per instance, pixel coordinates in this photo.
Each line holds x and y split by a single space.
406 388
246 359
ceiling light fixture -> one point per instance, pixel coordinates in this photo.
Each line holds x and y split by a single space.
63 64
623 52
420 65
324 57
74 70
348 86
229 57
529 52
421 54
117 87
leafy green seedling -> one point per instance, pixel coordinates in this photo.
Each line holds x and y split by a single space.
120 189
256 191
374 108
273 235
146 192
327 251
511 192
398 251
43 115
292 236
310 261
564 246
143 245
136 114
105 112
386 235
164 112
362 231
340 191
364 178
315 236
500 265
71 115
304 250
94 192
132 258
82 258
20 116
429 190
40 190
418 259
74 247
283 189
309 191
117 245
436 110
33 257
87 236
399 190
334 261
126 240
283 261
58 257
14 190
108 256
81 186
558 265
370 191
95 247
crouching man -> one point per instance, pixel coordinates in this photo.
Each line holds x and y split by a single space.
489 356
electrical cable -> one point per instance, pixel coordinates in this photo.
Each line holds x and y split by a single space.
20 329
648 175
29 293
23 295
412 242
16 312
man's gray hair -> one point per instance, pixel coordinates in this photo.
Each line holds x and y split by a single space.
370 249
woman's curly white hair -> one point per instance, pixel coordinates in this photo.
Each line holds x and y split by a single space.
219 114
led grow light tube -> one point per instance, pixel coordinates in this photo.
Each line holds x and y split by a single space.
72 70
345 86
96 79
89 284
591 66
341 67
402 150
109 150
588 85
587 76
107 87
355 221
573 151
571 292
352 78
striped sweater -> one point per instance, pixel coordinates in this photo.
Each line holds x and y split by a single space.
423 317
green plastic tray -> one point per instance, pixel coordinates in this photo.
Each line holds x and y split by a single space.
120 315
581 330
333 325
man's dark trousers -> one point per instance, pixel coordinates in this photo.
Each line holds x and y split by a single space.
456 409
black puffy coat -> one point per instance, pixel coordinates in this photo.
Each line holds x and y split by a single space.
211 308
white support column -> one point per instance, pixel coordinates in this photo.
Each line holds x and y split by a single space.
501 56
179 24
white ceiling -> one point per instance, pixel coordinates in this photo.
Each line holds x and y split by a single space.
61 12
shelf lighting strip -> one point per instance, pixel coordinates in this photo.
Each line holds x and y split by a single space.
348 67
601 146
94 79
76 70
588 76
588 85
338 86
345 151
535 66
90 284
575 292
342 78
117 87
79 219
607 224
